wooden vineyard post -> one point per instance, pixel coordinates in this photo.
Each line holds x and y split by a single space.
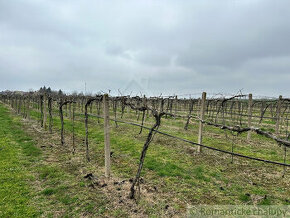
198 106
41 110
24 107
202 109
19 104
50 113
79 105
61 122
28 108
69 110
143 113
161 104
250 112
107 135
73 127
15 104
87 130
44 111
278 114
175 106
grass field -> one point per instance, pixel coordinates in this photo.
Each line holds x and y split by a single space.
34 183
45 179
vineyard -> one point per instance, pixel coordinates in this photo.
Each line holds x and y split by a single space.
164 153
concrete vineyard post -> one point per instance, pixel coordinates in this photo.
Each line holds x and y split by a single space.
250 112
202 109
278 114
107 135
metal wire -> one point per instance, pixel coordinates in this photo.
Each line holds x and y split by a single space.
194 143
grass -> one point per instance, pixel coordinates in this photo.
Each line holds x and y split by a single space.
167 159
180 175
164 158
17 154
33 187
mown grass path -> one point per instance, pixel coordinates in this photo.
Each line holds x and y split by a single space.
35 183
17 154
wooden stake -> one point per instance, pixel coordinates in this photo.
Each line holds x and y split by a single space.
250 112
202 109
61 121
69 110
41 110
87 131
107 136
73 128
175 106
28 108
44 111
278 114
50 114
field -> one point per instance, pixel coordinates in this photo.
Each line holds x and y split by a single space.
42 177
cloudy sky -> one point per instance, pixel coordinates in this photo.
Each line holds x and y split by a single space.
168 47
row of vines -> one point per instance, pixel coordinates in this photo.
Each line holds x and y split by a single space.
235 115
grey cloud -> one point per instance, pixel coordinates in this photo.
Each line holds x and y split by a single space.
174 46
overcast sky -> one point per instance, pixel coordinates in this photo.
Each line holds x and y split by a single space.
168 47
